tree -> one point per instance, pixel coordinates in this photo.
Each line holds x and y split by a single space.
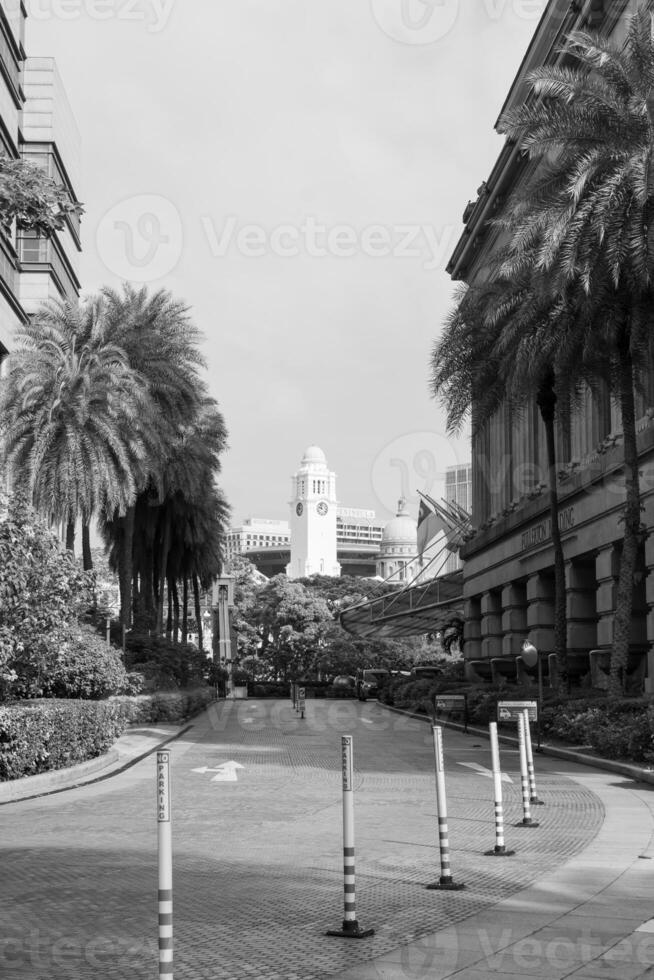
71 415
293 627
500 347
584 220
32 198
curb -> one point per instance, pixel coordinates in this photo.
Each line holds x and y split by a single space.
59 780
597 762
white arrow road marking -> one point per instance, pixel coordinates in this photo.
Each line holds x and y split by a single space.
226 773
485 772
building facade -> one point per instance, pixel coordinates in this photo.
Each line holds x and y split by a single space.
508 563
36 123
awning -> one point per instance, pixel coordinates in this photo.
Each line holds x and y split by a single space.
412 611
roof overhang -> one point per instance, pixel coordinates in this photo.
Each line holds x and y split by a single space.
412 611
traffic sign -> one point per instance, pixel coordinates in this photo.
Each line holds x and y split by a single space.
450 702
509 710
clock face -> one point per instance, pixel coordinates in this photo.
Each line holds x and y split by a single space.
299 509
322 508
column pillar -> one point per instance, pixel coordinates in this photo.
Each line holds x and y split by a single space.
649 597
472 628
514 618
540 611
491 625
606 574
581 588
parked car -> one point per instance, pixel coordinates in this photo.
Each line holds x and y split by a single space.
344 681
427 672
369 682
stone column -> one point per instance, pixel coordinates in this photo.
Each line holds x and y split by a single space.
540 611
606 573
581 588
491 625
514 618
649 594
472 628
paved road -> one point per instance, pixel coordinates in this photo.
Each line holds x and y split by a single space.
257 864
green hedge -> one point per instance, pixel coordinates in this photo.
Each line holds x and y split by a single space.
163 706
40 736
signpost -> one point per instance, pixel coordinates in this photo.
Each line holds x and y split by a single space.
512 710
165 862
531 658
301 696
453 703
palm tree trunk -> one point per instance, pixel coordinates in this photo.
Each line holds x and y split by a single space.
172 591
163 563
169 617
185 610
198 611
87 558
70 536
546 400
632 522
125 567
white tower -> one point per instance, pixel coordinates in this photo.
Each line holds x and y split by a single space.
313 518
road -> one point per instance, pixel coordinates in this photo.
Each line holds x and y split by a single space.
257 852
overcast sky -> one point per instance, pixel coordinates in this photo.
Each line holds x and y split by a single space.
296 170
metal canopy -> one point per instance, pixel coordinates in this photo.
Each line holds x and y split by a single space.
411 611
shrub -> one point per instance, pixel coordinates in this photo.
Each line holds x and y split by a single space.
40 736
165 665
163 706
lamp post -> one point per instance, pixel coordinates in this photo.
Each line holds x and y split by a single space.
531 657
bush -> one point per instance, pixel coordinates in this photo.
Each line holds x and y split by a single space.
165 665
41 736
163 706
72 662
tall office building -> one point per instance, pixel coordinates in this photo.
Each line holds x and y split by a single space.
36 123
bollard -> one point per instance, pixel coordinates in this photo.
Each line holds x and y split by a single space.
165 861
531 772
445 881
500 849
301 697
350 928
524 776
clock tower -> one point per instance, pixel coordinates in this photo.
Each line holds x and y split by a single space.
313 518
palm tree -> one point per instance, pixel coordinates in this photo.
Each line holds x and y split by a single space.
499 346
584 220
70 416
161 343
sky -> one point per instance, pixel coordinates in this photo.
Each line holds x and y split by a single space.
296 171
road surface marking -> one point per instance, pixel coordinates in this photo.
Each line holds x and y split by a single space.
485 772
226 773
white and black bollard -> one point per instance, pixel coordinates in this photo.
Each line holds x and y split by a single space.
301 694
351 929
165 861
500 849
527 820
533 794
446 880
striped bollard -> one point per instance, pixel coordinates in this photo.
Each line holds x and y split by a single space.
500 848
527 820
445 881
350 928
165 861
533 794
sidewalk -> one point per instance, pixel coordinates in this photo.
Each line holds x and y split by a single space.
133 745
591 918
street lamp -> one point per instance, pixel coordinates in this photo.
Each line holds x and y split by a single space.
531 658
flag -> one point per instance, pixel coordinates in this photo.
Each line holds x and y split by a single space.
429 525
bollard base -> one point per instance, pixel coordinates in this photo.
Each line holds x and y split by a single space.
445 884
351 930
500 852
534 801
527 822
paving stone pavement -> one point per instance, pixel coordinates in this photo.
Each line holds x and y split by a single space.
257 861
